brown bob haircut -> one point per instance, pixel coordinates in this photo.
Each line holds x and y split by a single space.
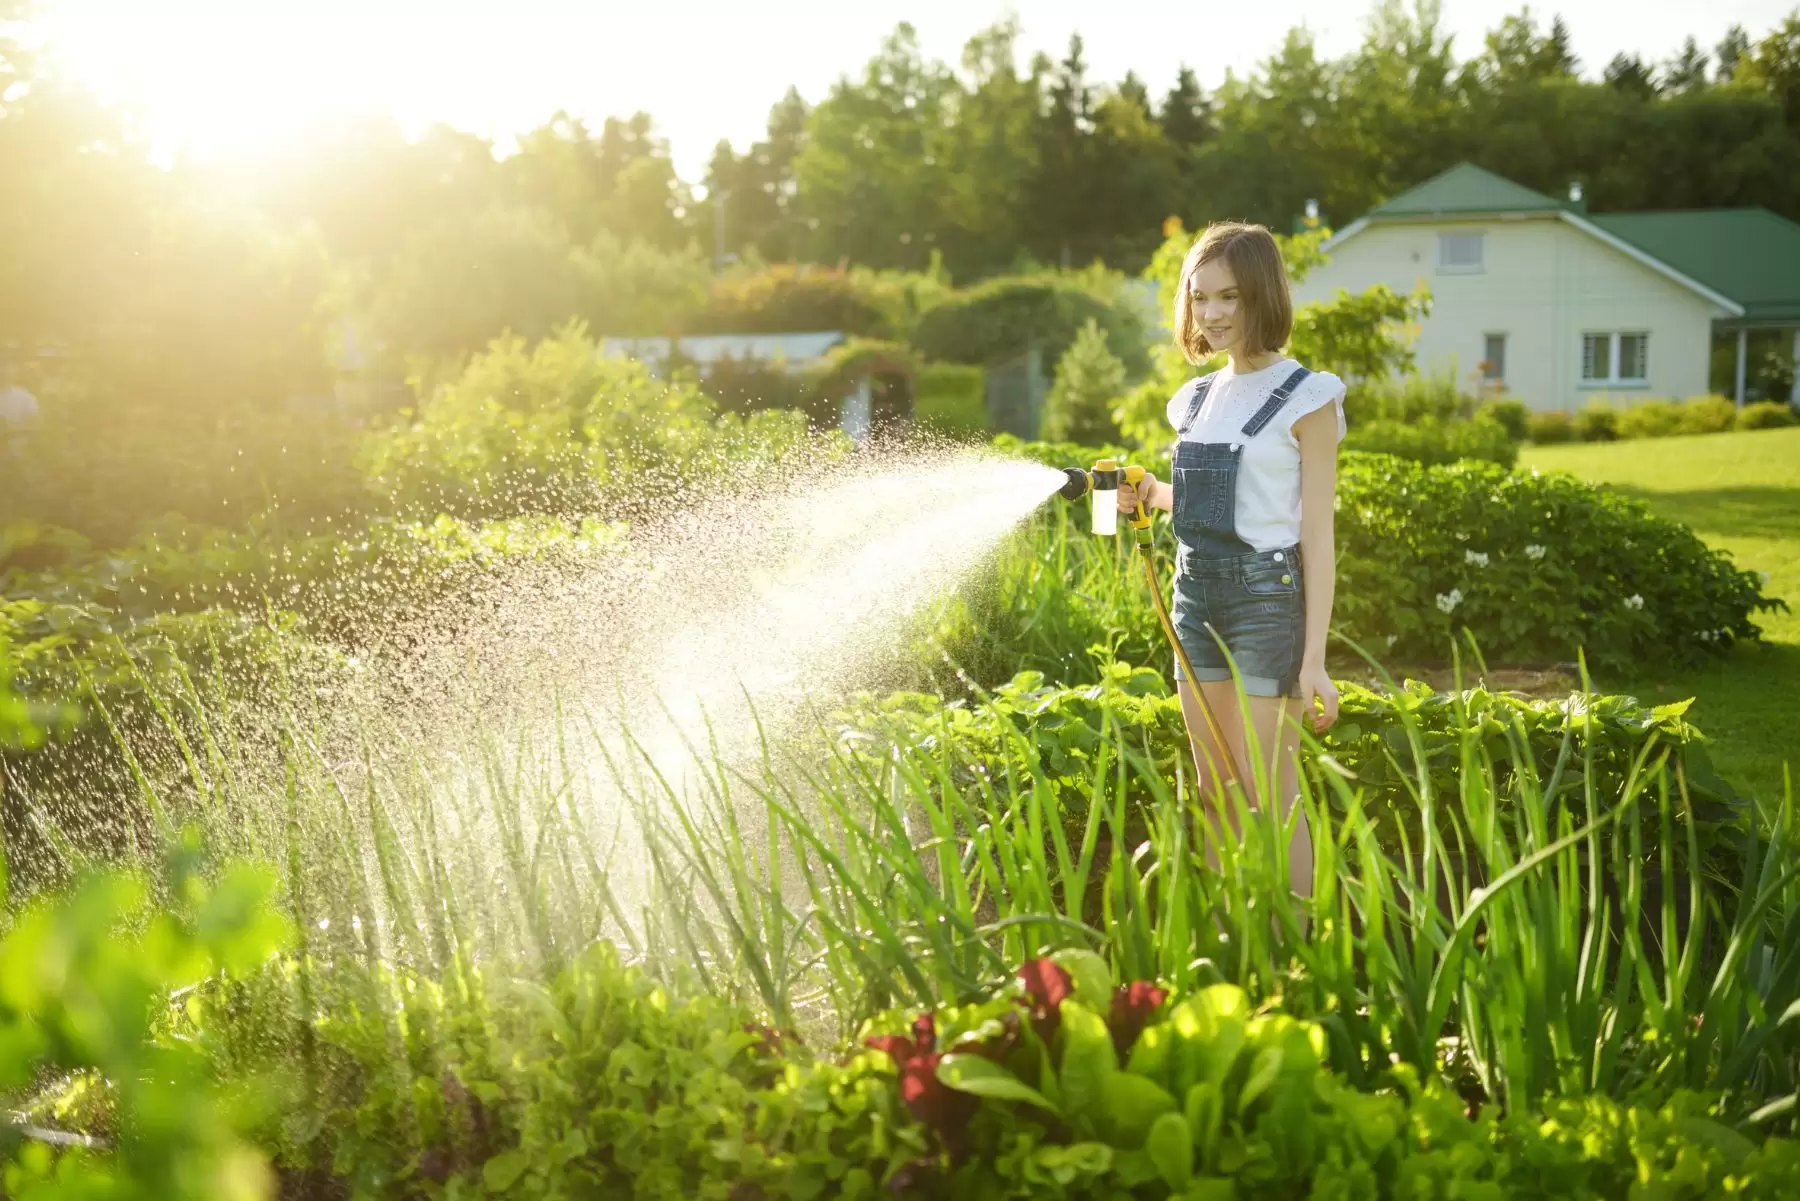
1265 309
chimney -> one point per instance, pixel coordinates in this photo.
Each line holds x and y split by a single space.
1575 197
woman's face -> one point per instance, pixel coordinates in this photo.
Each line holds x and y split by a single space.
1213 291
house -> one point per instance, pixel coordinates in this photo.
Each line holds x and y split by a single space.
1559 305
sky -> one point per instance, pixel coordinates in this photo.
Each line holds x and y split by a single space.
221 77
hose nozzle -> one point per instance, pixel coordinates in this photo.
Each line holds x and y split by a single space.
1077 485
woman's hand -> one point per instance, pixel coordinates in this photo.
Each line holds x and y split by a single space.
1316 685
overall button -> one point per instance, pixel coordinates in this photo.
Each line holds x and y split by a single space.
1287 579
1280 558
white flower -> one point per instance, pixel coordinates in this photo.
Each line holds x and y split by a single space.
1634 601
1534 552
1447 601
1477 557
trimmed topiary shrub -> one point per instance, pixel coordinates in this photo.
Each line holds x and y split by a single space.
1599 422
1766 415
1650 419
1707 415
1548 429
1513 415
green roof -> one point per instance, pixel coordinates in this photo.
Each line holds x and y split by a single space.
1466 188
1750 255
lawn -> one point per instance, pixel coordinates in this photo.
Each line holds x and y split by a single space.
1741 492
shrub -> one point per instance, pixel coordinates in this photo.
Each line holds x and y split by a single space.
1430 440
1409 398
1547 429
1766 415
1513 415
1534 566
1707 415
787 298
951 400
1647 419
1089 379
1003 318
1599 422
86 976
557 429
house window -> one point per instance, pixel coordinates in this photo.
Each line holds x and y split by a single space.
1493 358
1460 252
1615 358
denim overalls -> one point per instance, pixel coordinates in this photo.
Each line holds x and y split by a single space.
1225 589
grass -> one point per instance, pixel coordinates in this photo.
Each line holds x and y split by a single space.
1740 492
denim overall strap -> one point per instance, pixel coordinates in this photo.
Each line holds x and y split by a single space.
1273 405
1201 388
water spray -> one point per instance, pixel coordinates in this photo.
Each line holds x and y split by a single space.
1100 483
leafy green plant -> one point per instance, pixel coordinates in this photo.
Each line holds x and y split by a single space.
82 979
1650 419
1089 380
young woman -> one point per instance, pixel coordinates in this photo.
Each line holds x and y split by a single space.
1255 483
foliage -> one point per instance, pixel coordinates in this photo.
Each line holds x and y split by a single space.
848 363
1767 415
1602 422
1416 396
1395 743
1429 440
82 978
951 400
1513 415
1598 422
1002 319
1089 380
787 298
556 428
1550 428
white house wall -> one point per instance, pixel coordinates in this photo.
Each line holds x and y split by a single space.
1544 284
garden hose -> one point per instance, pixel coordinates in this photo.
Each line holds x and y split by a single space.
1106 471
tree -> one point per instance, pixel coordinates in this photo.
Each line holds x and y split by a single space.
1515 53
757 189
1090 380
1185 116
1058 224
1731 48
1773 65
870 179
1627 73
990 155
1687 70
